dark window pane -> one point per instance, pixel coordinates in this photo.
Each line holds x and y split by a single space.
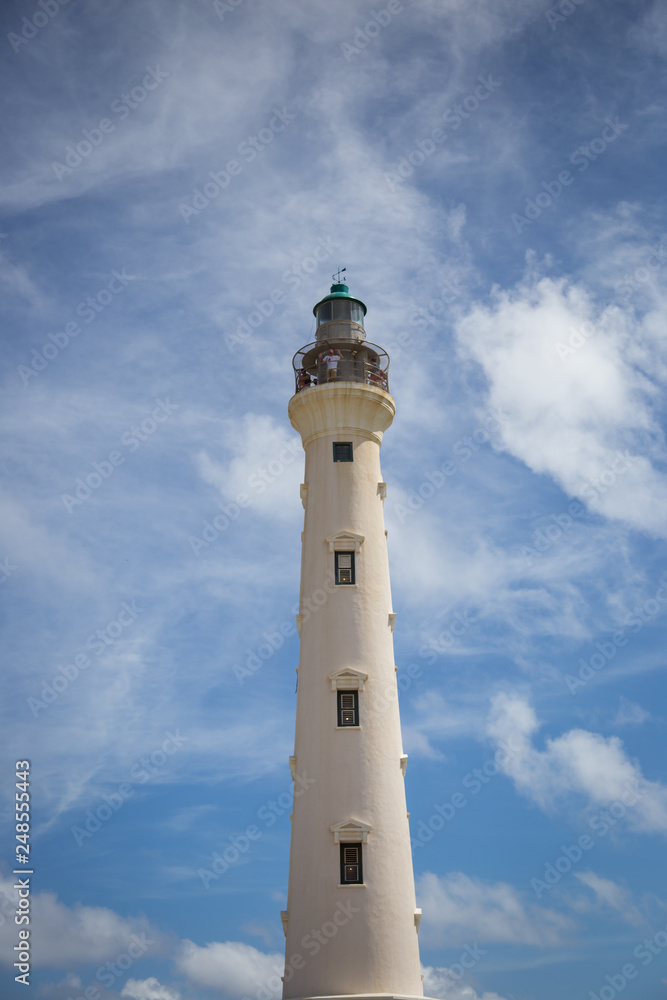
341 309
357 314
344 569
324 313
350 864
348 708
342 451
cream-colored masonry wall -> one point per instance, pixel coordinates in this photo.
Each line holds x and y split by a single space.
357 772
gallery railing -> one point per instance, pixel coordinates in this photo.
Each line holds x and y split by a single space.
365 363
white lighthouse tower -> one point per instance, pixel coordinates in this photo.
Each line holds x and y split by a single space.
351 921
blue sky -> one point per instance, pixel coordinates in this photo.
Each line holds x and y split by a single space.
491 174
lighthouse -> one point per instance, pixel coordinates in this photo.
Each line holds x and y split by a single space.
351 921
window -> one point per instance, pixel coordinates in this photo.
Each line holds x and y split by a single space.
348 708
357 314
344 567
350 864
341 309
342 451
324 313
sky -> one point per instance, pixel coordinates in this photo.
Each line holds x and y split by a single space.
179 183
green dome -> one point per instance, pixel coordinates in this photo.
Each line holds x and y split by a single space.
339 291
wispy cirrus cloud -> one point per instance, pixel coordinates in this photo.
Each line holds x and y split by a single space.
578 764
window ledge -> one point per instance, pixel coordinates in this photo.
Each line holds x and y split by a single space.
348 727
352 885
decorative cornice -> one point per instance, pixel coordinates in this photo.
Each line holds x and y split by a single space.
350 831
347 679
345 540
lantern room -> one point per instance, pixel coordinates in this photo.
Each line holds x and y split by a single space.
340 316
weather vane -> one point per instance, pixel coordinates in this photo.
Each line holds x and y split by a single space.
337 274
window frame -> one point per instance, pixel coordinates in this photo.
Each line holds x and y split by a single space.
346 444
324 313
340 310
344 583
340 710
360 879
357 313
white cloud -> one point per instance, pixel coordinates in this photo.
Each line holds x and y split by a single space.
458 909
254 928
612 895
584 418
149 989
175 123
190 817
44 552
15 280
419 744
566 586
442 984
630 714
651 32
65 935
576 763
231 968
266 465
